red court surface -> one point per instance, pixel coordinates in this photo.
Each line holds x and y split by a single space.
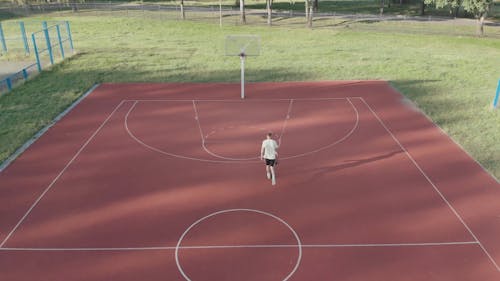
162 182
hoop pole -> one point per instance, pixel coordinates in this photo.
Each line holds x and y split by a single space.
242 59
497 96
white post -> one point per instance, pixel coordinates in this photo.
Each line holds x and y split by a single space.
242 58
220 13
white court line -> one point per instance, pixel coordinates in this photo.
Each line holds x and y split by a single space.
296 236
59 175
236 100
125 123
416 108
40 133
286 122
434 186
197 121
197 118
353 129
170 248
255 158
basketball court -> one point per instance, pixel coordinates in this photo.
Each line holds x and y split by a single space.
164 182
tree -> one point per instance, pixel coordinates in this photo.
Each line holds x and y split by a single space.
456 8
422 8
269 7
479 8
243 18
183 14
309 12
306 4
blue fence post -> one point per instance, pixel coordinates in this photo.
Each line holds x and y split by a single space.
68 30
25 74
497 96
2 39
9 84
60 40
47 39
25 38
37 56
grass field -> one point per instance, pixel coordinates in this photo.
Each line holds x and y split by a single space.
452 79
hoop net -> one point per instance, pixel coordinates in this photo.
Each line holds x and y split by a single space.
242 45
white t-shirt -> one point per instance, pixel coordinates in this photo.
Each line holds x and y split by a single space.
269 147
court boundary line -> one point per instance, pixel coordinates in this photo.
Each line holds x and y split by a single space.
172 248
477 241
450 206
6 163
140 142
40 197
443 132
239 100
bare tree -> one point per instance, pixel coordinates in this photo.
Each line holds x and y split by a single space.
243 18
310 13
183 13
269 7
306 4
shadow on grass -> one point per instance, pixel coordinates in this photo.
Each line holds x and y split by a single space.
6 15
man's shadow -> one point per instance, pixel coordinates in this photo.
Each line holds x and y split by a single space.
354 163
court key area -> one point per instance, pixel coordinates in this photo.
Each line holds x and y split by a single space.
163 182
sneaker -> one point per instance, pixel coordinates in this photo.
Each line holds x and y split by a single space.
268 176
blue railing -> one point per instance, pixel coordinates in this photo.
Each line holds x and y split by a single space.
53 41
8 83
497 96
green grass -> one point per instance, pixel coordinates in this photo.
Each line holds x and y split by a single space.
452 79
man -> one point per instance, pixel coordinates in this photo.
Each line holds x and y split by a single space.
268 152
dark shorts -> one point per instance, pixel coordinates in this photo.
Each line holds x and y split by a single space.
270 162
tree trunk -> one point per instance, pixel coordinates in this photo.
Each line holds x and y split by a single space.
183 14
422 8
310 20
306 3
382 4
480 25
400 2
269 12
243 19
316 5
